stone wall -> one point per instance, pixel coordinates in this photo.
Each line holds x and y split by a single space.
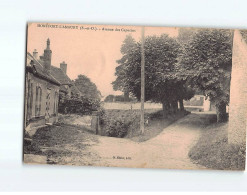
238 92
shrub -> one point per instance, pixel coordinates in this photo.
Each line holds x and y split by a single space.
126 123
117 123
77 105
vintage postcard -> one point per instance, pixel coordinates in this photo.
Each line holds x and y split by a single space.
135 96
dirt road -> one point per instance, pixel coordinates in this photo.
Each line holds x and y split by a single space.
75 146
167 150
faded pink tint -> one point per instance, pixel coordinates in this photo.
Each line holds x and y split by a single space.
88 52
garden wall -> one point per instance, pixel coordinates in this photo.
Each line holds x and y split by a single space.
238 91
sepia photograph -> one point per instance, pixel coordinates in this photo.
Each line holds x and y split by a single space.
135 96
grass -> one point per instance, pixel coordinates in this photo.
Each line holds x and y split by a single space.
59 141
213 151
156 125
118 123
126 123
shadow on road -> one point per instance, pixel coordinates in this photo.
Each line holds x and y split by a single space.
199 119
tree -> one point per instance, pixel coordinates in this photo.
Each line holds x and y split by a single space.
109 98
206 63
185 35
118 98
161 81
87 88
121 82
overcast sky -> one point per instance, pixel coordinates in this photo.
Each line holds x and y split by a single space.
88 52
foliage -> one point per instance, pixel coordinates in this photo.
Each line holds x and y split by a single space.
77 105
197 60
206 63
117 123
128 47
244 34
126 123
109 98
185 35
161 81
84 101
87 88
118 98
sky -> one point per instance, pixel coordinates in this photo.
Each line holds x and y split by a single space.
92 52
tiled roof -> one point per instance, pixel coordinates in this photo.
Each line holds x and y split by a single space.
60 76
56 73
37 68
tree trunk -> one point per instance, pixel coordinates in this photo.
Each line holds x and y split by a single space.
169 108
181 105
174 106
126 96
165 108
221 112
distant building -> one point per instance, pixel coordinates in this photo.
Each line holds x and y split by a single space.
44 84
199 102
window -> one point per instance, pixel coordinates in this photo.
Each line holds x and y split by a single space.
38 101
55 103
29 99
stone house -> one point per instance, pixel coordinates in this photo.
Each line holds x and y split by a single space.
44 84
42 90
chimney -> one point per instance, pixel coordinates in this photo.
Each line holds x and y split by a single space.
63 67
35 54
47 58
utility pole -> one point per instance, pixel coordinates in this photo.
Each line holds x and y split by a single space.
142 80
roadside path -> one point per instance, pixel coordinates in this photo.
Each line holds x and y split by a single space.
169 149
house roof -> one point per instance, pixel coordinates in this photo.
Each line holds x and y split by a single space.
36 68
60 76
56 75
